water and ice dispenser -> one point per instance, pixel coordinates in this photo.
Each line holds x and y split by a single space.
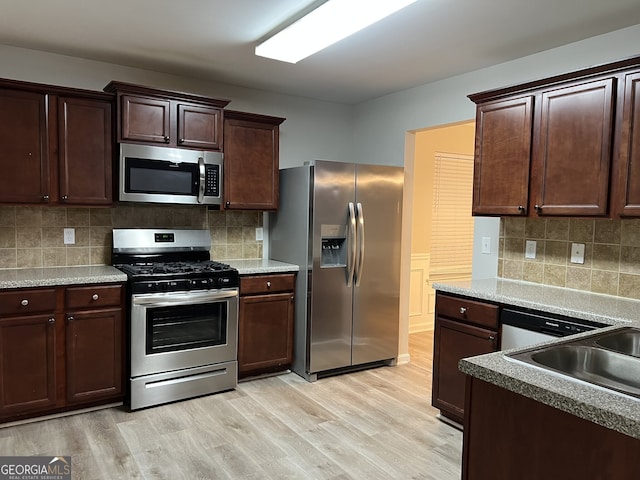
334 246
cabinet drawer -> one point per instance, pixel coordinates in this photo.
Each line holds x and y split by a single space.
27 301
467 310
267 284
93 296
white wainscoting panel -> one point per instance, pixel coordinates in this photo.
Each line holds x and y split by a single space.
420 310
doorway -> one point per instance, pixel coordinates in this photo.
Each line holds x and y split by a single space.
441 222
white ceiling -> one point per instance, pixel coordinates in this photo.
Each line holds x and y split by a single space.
215 39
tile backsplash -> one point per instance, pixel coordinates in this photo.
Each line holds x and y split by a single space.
34 236
611 261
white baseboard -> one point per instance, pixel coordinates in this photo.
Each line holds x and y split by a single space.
403 359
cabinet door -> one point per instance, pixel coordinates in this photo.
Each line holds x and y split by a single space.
85 151
24 156
199 127
27 364
629 180
94 355
452 342
145 119
250 165
573 157
265 333
502 157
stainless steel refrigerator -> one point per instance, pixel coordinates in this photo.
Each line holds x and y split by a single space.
341 222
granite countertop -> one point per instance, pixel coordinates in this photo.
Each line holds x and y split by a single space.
599 405
45 277
261 266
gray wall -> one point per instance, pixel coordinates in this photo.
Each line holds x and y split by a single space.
313 129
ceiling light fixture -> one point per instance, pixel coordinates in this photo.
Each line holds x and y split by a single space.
329 23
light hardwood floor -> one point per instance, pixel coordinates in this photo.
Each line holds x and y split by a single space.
373 424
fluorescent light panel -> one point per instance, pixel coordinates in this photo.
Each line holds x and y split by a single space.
329 23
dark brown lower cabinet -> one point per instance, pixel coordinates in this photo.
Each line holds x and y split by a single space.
65 352
454 341
265 324
509 436
94 355
27 364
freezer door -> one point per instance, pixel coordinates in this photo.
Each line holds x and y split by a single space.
377 285
330 301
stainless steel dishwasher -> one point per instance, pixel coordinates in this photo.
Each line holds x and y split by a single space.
522 327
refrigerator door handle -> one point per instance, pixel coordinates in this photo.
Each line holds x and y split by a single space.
352 245
360 239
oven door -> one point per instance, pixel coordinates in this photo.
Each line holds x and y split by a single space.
173 331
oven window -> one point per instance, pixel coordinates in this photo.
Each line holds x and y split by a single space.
186 327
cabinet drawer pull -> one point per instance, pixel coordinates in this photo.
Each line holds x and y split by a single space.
95 297
52 320
463 310
268 284
24 302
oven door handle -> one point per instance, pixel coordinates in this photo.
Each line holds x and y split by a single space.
171 299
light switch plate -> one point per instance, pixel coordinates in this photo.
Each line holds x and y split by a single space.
486 244
259 234
530 249
577 253
69 236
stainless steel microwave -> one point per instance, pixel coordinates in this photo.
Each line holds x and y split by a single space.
150 174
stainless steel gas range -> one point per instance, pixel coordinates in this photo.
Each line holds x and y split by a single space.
183 315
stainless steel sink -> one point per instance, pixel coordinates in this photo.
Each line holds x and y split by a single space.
626 341
609 359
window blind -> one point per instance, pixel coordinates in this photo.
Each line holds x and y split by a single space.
452 223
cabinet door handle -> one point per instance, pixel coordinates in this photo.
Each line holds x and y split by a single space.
45 198
24 302
292 298
95 297
268 284
65 198
537 208
52 320
492 337
463 310
181 140
70 318
521 209
166 139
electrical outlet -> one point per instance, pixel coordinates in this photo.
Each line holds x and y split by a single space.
486 244
530 249
69 236
259 234
577 253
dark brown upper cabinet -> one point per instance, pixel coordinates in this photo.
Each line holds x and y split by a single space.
172 119
561 146
56 145
572 154
251 161
628 204
503 157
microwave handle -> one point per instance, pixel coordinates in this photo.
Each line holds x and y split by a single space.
203 179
